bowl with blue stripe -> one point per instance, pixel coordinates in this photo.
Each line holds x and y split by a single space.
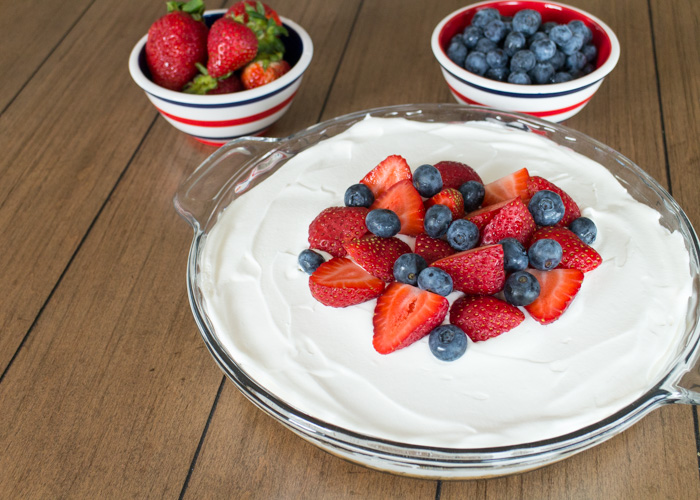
552 101
217 119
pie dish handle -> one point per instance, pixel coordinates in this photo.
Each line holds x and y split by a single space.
687 389
228 172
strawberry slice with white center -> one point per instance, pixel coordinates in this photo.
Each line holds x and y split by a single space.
377 255
342 283
451 198
483 317
513 220
575 253
478 271
404 200
507 187
571 209
558 288
390 171
405 314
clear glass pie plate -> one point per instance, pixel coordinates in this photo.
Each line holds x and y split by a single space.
240 165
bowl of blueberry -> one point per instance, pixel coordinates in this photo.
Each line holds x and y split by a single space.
541 58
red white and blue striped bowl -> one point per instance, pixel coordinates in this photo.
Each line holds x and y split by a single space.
554 102
217 119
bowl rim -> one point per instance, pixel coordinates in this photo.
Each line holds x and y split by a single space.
235 98
515 90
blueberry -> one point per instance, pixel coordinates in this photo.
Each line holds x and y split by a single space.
514 42
519 77
590 51
484 45
476 63
588 68
560 34
521 288
457 52
427 180
447 342
543 49
575 62
495 30
383 222
544 254
499 74
437 220
471 35
473 195
527 21
435 280
407 268
541 73
536 38
546 207
514 255
558 59
585 229
462 235
358 195
574 44
485 16
579 28
548 26
561 77
310 260
496 58
523 60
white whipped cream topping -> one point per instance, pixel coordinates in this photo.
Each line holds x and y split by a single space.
616 340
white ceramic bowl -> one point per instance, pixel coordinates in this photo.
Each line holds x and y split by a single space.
216 119
554 102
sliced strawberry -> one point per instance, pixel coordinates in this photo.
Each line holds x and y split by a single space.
507 187
483 317
482 216
571 209
432 249
513 220
576 254
377 255
405 314
454 174
558 288
478 271
404 200
342 283
335 226
451 198
390 171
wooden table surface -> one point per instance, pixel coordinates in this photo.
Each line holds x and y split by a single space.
107 389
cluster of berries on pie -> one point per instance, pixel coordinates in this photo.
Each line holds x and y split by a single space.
410 238
241 50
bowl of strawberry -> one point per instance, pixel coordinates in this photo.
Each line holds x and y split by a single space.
221 74
541 58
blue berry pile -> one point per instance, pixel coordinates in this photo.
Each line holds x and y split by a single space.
522 49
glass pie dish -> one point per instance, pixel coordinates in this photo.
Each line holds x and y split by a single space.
242 164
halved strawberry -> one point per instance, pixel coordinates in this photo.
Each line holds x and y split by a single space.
576 254
483 215
377 255
507 187
558 288
513 220
454 173
335 226
390 171
571 209
404 200
342 283
483 317
478 271
451 198
432 249
405 314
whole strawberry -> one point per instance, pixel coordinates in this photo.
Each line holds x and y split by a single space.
243 7
176 42
231 45
260 73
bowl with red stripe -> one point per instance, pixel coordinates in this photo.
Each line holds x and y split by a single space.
552 101
217 119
